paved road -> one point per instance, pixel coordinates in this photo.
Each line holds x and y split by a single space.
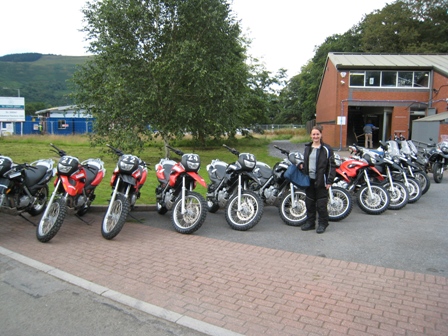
38 304
414 238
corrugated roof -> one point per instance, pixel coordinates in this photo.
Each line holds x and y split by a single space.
437 62
434 117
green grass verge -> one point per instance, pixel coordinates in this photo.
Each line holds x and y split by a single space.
30 148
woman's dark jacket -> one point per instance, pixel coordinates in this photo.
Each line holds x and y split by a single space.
325 167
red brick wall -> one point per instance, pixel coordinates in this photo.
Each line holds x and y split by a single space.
440 96
334 93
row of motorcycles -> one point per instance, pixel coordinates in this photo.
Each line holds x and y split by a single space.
387 178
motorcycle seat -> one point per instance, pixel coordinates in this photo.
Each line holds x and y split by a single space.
91 172
34 174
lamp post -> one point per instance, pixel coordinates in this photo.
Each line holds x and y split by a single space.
18 90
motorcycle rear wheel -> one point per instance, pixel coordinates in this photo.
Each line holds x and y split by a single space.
112 224
414 189
437 172
249 214
40 203
161 209
399 195
293 214
194 216
375 205
341 206
83 210
49 226
212 206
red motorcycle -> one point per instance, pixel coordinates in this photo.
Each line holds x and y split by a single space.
177 180
127 179
357 175
74 188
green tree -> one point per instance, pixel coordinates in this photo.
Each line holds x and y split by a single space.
262 103
176 65
31 108
407 26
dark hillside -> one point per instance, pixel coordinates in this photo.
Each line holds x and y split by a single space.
40 78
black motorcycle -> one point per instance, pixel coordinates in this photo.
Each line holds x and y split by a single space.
229 189
436 159
24 187
275 189
416 164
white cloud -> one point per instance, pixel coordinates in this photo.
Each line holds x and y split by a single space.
284 32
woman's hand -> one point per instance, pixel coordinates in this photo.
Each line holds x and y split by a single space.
327 186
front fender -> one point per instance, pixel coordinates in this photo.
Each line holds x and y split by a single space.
198 178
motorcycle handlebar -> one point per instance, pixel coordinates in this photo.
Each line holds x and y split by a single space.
177 151
232 150
283 151
59 151
116 150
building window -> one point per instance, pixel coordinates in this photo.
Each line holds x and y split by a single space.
405 78
357 78
61 124
398 79
421 79
389 78
373 78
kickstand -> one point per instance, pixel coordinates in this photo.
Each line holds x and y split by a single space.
80 218
138 220
34 224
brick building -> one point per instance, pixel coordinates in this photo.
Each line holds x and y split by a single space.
391 90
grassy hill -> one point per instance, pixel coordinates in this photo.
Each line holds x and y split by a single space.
40 78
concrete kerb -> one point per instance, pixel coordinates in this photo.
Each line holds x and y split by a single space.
126 300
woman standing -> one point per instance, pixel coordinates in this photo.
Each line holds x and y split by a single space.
319 165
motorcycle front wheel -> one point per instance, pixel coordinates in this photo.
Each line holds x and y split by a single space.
293 213
194 216
375 203
437 172
399 195
40 203
414 189
49 225
341 206
114 222
424 181
248 215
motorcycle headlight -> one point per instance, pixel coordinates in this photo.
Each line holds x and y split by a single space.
396 160
444 149
193 165
64 169
249 164
126 166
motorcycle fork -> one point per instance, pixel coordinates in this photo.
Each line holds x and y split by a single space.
183 192
405 178
50 202
369 187
240 187
112 199
389 176
330 195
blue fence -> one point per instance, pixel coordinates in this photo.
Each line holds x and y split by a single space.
57 126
